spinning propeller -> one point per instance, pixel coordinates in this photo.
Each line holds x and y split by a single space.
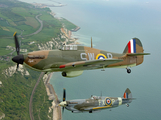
19 59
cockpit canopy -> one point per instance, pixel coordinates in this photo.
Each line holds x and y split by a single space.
69 47
94 97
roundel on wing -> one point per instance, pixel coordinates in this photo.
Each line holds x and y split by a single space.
108 101
101 56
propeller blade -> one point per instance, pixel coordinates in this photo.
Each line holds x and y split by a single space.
64 94
64 103
17 66
16 43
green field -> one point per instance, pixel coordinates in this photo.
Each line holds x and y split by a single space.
23 21
32 22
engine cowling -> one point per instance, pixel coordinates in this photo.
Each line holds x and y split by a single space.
71 73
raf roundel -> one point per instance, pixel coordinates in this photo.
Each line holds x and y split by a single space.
108 101
101 56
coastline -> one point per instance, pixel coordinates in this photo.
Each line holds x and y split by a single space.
57 115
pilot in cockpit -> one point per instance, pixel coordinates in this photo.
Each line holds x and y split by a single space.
94 97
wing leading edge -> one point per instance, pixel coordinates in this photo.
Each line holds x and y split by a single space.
94 108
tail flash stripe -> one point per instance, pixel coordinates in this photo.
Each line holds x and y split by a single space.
132 46
125 95
129 47
134 43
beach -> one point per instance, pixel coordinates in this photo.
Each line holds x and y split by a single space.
57 115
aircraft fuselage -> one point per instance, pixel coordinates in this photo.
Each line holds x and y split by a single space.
52 60
95 103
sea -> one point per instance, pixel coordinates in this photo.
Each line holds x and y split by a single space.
111 24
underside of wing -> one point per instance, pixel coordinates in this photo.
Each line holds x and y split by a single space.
87 65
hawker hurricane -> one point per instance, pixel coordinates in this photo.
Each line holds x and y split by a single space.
72 60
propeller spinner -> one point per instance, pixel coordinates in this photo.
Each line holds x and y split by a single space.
19 59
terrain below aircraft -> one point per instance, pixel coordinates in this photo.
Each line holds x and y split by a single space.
95 103
72 60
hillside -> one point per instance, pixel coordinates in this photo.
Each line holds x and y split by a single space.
37 29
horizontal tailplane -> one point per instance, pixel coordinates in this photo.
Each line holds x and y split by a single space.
137 54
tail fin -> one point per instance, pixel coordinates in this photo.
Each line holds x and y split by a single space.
134 46
127 94
127 97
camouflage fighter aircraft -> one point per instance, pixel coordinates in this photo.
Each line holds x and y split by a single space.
72 60
95 103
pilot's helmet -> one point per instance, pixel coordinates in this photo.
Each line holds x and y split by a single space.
91 96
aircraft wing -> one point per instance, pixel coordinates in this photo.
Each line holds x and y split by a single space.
90 64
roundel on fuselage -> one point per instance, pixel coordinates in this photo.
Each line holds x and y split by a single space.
101 56
108 101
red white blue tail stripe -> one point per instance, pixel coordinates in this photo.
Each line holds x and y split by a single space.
125 95
132 46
